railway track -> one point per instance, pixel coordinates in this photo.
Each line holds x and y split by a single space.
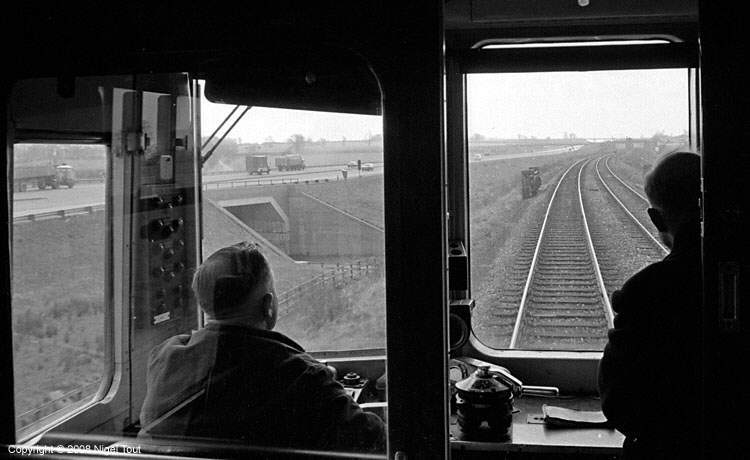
592 238
631 200
621 238
564 304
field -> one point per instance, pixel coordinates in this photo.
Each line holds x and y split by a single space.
342 313
58 307
362 197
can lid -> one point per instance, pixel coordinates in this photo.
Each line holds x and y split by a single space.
483 383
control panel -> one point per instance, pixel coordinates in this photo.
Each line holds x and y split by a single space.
164 236
167 256
355 384
363 380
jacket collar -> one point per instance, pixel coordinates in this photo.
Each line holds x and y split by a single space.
218 326
687 241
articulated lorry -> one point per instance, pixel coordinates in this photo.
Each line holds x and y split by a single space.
290 162
43 176
257 164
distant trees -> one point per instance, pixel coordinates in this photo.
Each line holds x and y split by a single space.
298 143
377 138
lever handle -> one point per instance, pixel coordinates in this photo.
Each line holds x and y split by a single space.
729 273
532 390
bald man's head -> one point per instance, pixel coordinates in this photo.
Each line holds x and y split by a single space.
237 282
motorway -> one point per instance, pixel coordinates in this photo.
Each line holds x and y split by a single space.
85 194
92 193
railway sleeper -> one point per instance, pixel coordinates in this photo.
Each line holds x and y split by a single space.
556 282
565 240
503 316
577 344
566 323
606 268
565 271
567 266
573 261
558 277
504 303
560 331
561 249
563 310
560 264
495 330
572 289
563 283
565 314
565 300
564 247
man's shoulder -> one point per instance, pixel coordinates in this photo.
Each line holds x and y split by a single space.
164 349
643 288
669 271
269 349
652 275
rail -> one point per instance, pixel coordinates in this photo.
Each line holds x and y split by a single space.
635 192
627 211
590 244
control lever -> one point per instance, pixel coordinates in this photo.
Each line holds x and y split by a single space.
516 386
535 390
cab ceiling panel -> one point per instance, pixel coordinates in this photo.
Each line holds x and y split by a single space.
469 22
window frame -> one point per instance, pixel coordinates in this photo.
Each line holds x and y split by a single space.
570 371
111 376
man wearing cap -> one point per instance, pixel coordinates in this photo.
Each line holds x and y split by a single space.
244 381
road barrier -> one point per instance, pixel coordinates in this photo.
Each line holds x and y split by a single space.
58 213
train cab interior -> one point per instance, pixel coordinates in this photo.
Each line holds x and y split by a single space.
437 138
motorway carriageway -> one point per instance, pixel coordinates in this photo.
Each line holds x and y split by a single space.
92 194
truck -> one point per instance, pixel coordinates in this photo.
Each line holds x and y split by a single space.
531 180
289 162
257 164
43 176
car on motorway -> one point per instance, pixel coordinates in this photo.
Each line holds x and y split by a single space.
477 157
351 164
368 167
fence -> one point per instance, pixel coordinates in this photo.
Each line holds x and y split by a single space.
236 183
338 276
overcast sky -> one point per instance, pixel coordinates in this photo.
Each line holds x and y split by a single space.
630 103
